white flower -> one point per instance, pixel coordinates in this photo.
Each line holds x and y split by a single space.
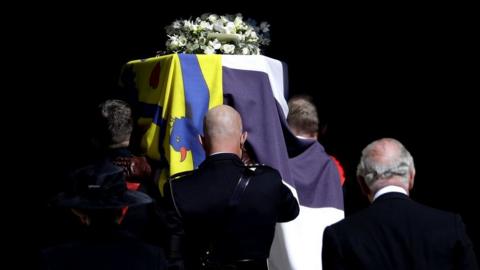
176 24
182 41
218 27
205 26
253 36
202 40
224 19
187 24
238 21
192 47
212 18
215 44
211 33
228 48
193 27
208 50
230 28
264 27
174 42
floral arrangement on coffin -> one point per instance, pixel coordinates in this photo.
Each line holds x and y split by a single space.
214 34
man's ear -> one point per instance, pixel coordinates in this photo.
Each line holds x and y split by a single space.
411 179
243 138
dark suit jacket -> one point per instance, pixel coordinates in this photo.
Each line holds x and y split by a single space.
243 233
397 233
115 250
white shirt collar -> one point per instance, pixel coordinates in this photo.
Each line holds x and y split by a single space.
389 189
305 138
216 153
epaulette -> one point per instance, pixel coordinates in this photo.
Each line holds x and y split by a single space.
260 167
179 175
255 166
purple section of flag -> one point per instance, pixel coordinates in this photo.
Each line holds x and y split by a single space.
250 93
303 164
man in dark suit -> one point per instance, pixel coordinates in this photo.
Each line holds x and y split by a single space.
223 214
395 232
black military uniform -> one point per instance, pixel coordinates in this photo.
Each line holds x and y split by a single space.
202 219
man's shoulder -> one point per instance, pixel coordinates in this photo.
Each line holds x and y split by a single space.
434 214
352 220
181 176
411 208
265 174
407 210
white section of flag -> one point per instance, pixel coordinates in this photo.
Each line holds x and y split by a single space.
273 68
297 244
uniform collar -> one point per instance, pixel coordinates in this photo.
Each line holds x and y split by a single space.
221 156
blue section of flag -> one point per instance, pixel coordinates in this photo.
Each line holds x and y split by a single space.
152 111
155 112
185 131
196 90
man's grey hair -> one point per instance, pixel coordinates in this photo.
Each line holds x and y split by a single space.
383 159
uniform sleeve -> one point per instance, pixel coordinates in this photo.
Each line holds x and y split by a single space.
332 258
464 249
176 233
289 208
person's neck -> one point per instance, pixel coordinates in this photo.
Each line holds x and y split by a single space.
215 151
305 137
218 153
119 145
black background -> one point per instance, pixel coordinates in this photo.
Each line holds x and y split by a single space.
407 72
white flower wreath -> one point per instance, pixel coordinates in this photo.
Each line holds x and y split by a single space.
214 34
